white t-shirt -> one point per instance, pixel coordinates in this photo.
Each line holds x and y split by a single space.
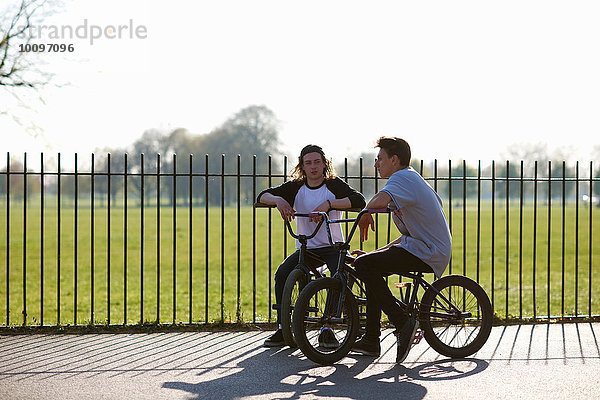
307 199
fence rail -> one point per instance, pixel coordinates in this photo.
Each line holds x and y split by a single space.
126 240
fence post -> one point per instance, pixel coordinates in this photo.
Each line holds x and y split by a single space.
158 241
41 239
76 254
190 234
142 198
108 232
92 255
174 238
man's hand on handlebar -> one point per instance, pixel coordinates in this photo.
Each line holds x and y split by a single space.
323 207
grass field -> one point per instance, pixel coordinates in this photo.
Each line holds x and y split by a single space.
227 276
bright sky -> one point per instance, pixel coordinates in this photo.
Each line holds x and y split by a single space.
457 79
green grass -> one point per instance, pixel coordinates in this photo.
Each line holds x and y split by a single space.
228 264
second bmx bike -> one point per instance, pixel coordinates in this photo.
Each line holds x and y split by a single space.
454 312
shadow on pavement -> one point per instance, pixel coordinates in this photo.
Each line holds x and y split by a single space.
279 374
183 365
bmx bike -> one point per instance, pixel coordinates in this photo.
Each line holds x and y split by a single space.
454 312
310 267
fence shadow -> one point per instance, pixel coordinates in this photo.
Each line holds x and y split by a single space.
569 342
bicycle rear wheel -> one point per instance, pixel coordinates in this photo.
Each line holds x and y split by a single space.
456 316
294 284
316 310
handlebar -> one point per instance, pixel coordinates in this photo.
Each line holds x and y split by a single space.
358 210
325 218
263 205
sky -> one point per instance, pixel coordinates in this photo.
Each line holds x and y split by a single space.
458 80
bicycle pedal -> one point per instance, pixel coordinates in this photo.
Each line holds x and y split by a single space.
418 336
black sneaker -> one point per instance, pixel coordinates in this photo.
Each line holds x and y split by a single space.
367 346
404 337
275 340
328 340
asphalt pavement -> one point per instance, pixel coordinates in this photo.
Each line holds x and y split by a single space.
556 361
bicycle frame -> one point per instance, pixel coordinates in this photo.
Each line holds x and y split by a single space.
303 239
411 303
441 309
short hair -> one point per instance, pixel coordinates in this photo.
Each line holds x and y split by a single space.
298 173
395 146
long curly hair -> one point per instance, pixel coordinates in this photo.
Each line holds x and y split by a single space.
298 174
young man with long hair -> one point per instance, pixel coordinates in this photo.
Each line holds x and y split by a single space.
314 187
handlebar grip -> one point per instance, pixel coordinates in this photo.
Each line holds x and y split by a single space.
311 214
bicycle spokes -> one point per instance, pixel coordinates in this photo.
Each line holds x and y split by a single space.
325 322
456 316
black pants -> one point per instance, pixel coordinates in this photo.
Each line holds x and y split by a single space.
328 256
372 268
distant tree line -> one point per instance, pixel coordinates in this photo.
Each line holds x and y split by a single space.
242 156
252 133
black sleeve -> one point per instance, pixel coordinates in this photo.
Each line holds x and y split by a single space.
341 190
287 190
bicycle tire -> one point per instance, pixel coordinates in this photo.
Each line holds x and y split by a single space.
294 283
449 333
313 312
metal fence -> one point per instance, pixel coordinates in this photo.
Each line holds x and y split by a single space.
118 239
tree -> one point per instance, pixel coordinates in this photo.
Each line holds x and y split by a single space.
461 188
595 192
19 68
22 73
506 172
178 146
356 168
113 160
253 130
150 144
16 181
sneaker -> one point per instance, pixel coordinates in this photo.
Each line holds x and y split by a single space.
404 337
275 340
327 339
367 346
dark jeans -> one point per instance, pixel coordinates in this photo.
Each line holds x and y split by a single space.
328 254
372 268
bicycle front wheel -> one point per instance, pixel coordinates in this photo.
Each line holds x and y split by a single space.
294 284
324 330
456 316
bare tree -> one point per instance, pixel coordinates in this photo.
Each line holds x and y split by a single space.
18 68
22 73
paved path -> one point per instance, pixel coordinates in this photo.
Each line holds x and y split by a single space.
518 362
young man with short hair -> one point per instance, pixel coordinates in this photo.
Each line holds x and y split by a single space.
424 246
